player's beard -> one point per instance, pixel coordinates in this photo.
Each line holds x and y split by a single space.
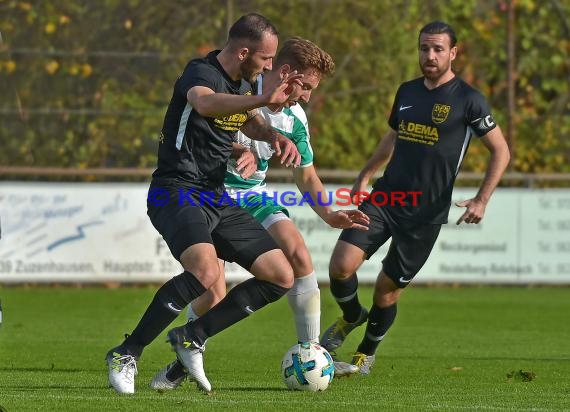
434 75
249 71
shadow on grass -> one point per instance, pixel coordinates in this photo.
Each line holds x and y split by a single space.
51 368
484 358
32 388
253 389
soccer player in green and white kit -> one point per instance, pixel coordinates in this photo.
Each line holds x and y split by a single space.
290 120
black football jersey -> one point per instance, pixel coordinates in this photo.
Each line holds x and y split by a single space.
434 129
194 150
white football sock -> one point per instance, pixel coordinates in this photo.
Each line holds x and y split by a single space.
305 300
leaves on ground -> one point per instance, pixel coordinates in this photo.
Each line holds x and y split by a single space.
520 376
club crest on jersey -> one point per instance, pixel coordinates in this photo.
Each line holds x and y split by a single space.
439 113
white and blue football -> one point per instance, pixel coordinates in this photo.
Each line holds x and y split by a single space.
307 367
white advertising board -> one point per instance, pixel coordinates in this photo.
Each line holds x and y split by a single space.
80 232
99 232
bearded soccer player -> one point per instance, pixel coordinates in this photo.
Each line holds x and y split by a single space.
432 120
211 101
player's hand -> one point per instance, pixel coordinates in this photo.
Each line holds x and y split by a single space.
280 95
358 190
348 219
286 150
246 164
474 212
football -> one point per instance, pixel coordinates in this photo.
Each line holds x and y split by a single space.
307 367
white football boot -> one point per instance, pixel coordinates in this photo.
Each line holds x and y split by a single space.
190 354
344 369
170 377
122 371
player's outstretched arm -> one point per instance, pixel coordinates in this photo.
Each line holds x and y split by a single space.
311 186
210 104
495 142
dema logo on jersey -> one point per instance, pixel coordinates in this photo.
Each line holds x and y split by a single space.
439 113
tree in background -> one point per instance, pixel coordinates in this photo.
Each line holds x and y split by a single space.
85 84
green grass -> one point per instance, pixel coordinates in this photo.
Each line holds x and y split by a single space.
450 349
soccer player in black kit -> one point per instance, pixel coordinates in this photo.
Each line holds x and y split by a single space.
212 99
432 120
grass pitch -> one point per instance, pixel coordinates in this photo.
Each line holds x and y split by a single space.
473 348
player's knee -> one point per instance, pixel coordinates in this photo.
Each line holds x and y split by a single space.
273 267
300 259
282 273
284 276
339 267
208 276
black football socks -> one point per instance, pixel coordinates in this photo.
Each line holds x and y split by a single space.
379 321
240 302
168 302
345 292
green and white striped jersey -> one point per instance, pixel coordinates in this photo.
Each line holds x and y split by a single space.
290 122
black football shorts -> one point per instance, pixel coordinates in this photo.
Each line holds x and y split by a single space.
235 234
412 242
